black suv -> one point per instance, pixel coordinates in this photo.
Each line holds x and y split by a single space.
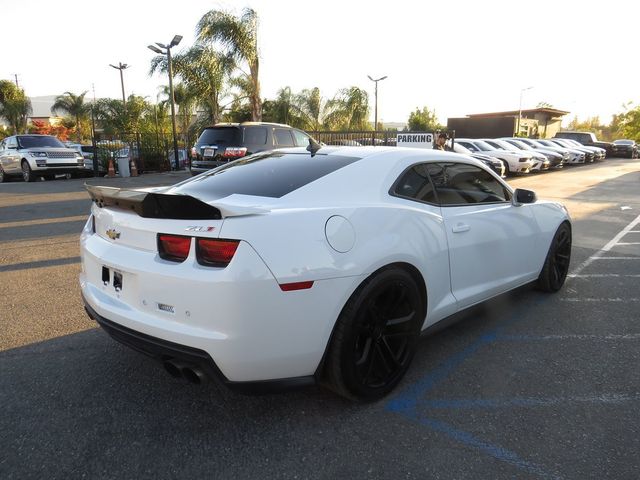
225 142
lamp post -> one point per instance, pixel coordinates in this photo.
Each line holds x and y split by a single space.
166 50
121 66
375 125
520 110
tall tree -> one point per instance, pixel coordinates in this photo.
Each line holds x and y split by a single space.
74 106
349 110
311 108
239 35
15 106
424 120
203 70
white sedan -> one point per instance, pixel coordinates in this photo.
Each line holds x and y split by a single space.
514 162
291 267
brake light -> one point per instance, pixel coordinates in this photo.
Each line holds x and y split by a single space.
234 152
214 252
173 247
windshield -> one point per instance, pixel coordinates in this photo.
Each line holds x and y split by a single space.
495 144
520 145
39 141
503 144
272 174
460 148
484 146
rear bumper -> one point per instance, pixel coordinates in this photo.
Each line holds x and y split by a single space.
163 350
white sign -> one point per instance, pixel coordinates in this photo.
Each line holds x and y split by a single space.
415 140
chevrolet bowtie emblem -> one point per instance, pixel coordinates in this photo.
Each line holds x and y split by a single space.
113 234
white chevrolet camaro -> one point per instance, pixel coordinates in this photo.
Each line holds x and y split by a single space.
292 267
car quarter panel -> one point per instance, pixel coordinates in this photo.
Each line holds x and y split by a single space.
239 315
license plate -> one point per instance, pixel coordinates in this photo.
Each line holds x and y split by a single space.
209 152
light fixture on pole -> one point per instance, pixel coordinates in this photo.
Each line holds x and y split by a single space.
121 66
166 50
520 110
375 125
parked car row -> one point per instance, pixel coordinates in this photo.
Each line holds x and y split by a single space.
526 155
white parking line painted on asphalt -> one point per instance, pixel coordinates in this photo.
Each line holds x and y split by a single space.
608 247
628 243
601 299
616 258
604 275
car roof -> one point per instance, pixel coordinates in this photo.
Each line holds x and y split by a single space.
250 124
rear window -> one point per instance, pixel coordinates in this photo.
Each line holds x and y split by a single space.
227 136
272 174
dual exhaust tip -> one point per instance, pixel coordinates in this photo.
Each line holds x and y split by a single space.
190 373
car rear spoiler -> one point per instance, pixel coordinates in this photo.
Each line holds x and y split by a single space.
154 205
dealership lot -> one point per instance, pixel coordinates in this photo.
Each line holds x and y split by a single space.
526 386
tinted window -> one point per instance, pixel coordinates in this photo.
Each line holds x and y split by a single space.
469 146
460 183
283 137
255 135
415 183
270 174
302 139
28 141
220 136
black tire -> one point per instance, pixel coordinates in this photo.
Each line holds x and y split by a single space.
375 337
27 173
556 265
3 176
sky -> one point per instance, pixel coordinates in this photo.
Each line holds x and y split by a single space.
456 56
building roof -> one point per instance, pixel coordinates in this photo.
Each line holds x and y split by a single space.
553 112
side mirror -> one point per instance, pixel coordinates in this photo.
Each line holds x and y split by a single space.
522 196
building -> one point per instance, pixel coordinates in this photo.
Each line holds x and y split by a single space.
535 122
41 107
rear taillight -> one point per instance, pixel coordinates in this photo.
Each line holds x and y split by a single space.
234 152
214 252
173 247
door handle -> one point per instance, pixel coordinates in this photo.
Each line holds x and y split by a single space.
460 227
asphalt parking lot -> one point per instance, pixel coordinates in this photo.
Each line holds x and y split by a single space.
528 385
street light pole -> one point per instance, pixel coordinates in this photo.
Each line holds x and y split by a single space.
520 110
375 125
167 51
121 66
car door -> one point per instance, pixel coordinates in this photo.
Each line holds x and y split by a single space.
11 160
490 239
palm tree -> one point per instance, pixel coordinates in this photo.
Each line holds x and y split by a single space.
185 99
203 71
312 109
239 35
15 106
349 110
73 105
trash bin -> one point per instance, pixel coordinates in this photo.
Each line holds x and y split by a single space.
123 166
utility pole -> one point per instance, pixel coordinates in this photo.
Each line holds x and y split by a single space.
16 77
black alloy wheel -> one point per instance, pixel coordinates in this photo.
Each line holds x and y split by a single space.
556 265
376 335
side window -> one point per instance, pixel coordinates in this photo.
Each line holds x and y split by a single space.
416 185
12 143
283 137
460 183
255 136
2 145
302 139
